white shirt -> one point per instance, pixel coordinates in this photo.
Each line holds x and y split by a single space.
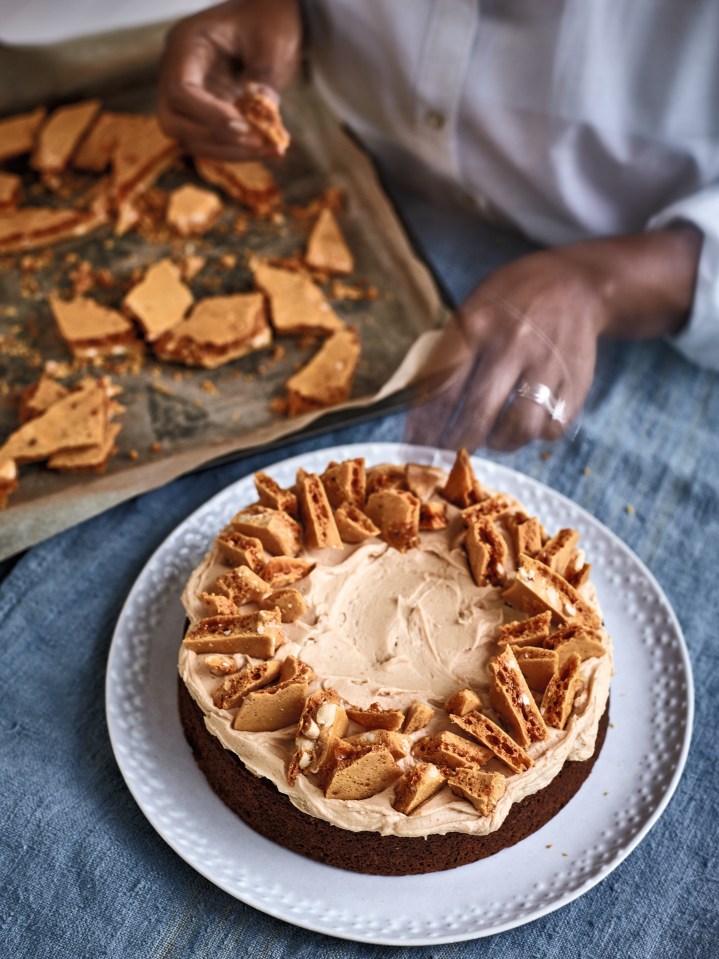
564 118
52 21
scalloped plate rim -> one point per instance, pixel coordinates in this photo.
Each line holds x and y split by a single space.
378 452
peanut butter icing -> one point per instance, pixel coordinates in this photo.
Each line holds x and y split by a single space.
391 628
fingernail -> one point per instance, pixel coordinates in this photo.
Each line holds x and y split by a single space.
239 126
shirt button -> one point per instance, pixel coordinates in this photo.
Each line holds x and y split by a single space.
434 119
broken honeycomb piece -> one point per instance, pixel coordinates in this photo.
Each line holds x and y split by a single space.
290 602
218 329
396 513
159 301
234 688
18 133
418 715
397 743
70 422
537 588
190 209
491 507
537 664
527 632
40 396
271 494
561 691
35 226
416 786
254 634
486 552
483 790
91 329
512 699
353 525
8 480
558 551
449 749
326 246
262 112
575 639
492 736
386 476
285 570
346 482
463 702
317 519
240 585
327 378
433 516
578 570
247 181
236 549
60 135
140 155
423 480
217 604
278 532
11 191
525 532
296 670
374 717
462 487
274 707
297 305
367 771
321 724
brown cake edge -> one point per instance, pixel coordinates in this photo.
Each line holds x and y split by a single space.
259 803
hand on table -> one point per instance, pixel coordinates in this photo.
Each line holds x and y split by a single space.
207 60
529 332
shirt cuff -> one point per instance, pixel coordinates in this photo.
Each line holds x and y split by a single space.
699 339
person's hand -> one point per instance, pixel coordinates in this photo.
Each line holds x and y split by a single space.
536 322
517 359
208 58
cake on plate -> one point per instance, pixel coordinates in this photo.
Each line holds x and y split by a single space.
392 669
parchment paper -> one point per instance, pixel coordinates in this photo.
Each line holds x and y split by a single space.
178 419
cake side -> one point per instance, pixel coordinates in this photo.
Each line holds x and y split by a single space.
269 812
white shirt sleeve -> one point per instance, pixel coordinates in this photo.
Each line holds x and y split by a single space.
699 340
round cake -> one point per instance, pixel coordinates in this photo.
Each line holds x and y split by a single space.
393 670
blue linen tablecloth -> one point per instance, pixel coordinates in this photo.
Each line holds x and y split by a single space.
83 874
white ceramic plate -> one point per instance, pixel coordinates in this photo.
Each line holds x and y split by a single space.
632 781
